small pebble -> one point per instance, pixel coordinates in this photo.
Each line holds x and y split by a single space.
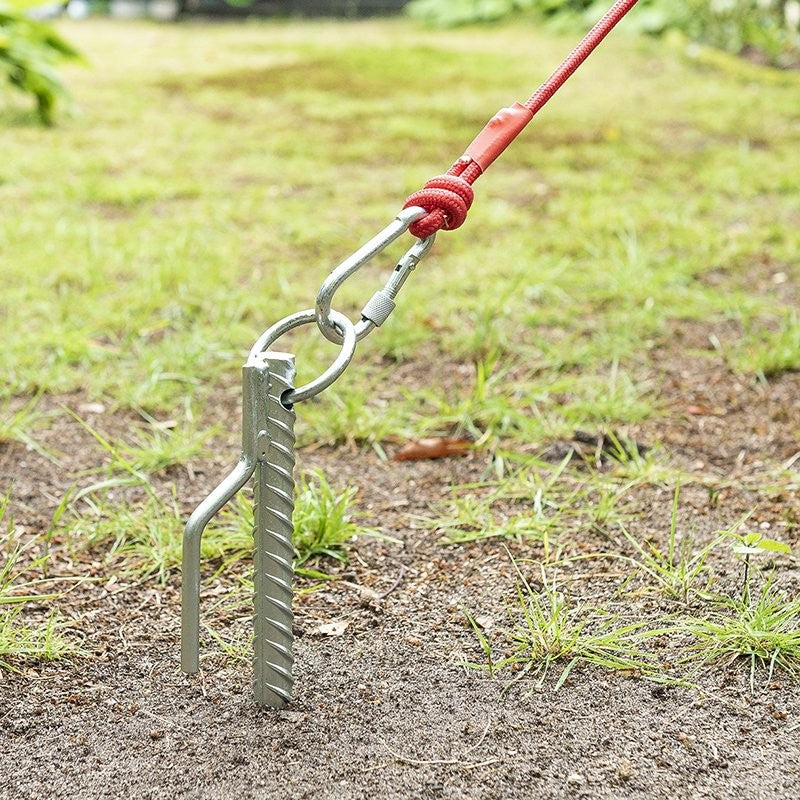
625 770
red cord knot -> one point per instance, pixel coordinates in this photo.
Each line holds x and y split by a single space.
447 199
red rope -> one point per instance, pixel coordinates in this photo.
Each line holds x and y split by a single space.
447 198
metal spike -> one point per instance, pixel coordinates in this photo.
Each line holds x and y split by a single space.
273 571
268 450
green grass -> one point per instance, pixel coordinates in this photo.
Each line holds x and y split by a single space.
24 641
157 447
769 349
141 539
145 538
548 630
24 635
707 629
214 175
534 502
17 426
324 520
681 569
651 467
274 150
474 520
345 419
763 634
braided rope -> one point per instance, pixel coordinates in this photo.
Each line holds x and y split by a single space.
447 198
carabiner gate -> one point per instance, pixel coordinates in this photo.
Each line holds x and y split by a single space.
351 265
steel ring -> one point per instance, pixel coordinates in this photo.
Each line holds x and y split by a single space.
345 328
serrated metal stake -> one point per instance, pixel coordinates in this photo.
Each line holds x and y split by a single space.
273 570
268 451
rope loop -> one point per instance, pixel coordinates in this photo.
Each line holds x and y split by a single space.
447 199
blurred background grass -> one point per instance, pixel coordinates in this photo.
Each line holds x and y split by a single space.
214 173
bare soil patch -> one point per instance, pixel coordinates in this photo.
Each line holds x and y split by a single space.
388 709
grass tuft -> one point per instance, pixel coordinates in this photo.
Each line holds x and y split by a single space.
17 426
158 447
23 637
681 570
769 352
548 631
765 633
324 520
146 539
24 641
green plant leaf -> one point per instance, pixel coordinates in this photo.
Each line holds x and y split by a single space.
754 543
774 546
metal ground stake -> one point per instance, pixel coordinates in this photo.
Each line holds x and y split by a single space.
268 396
273 570
267 450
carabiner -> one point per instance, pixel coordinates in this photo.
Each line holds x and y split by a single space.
351 265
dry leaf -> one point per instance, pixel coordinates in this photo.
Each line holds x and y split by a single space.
432 448
705 411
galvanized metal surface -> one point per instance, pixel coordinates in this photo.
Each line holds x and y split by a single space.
312 388
268 450
273 571
268 396
398 226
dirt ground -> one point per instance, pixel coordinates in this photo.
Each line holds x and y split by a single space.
387 709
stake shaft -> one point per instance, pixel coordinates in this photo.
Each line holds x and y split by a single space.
268 451
273 570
